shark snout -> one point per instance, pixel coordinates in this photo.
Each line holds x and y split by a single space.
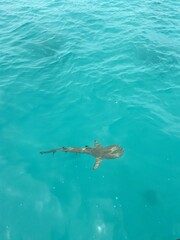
117 151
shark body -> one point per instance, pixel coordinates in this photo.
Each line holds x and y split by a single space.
98 151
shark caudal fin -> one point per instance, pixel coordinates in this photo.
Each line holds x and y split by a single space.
97 163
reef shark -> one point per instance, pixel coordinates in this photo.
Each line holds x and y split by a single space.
98 151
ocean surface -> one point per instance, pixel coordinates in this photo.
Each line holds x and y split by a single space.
76 71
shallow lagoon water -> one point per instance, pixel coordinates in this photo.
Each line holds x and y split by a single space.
75 71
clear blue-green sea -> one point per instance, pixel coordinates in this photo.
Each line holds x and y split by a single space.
75 71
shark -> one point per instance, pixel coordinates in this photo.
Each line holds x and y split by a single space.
98 152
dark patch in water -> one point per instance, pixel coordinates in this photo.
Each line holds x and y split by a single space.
151 197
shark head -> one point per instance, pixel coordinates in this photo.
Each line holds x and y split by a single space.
113 151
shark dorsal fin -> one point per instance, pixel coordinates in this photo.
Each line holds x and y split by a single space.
97 163
97 144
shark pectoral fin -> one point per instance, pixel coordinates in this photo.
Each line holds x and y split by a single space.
97 163
97 144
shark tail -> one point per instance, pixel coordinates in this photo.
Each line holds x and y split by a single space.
51 151
66 149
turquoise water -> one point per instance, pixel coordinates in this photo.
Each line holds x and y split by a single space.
75 71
